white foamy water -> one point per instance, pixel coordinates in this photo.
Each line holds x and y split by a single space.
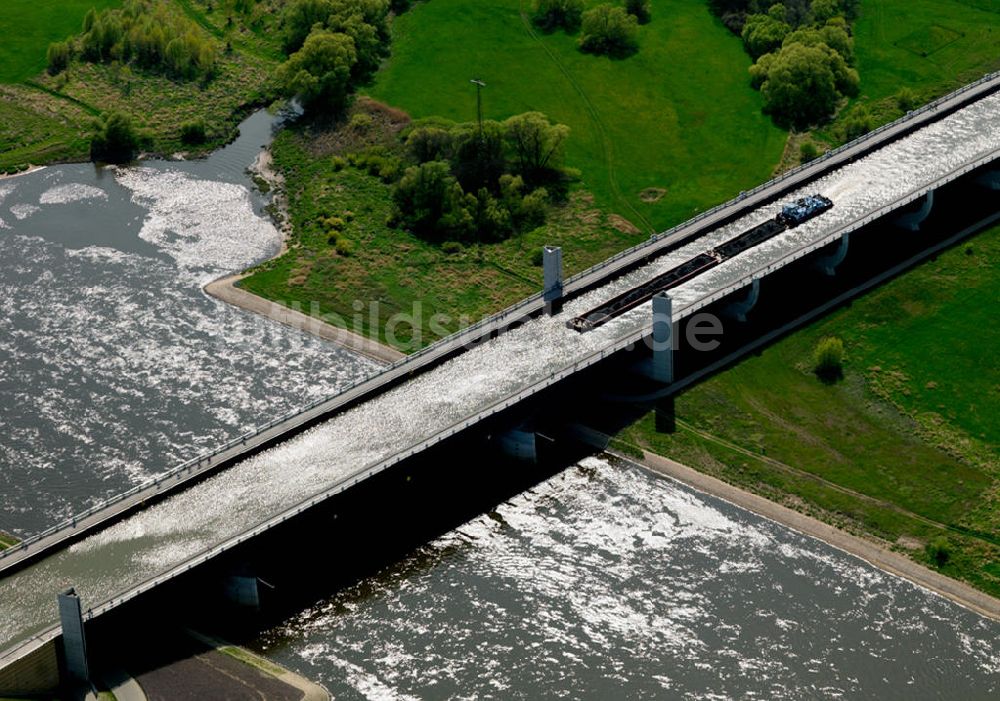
607 582
72 192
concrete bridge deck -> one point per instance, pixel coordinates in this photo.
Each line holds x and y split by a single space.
400 412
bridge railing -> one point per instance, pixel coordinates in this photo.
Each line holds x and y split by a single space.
512 312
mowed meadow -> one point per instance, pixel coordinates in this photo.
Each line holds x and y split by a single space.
29 26
677 121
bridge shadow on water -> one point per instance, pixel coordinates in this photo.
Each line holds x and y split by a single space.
389 517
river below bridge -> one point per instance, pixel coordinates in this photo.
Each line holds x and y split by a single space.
607 582
602 582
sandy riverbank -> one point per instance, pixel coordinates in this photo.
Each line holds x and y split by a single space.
871 552
225 289
29 169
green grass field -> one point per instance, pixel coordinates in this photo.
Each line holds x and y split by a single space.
925 44
906 447
29 26
679 115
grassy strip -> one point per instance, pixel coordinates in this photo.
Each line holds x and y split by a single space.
254 661
7 541
905 449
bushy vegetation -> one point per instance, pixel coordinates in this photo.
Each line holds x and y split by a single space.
145 33
332 45
115 139
467 184
609 30
804 54
550 15
828 358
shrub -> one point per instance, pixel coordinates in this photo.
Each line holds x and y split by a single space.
808 151
939 551
193 132
58 57
452 248
115 139
609 30
639 9
549 15
828 358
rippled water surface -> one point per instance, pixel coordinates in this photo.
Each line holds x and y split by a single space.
208 379
606 582
114 365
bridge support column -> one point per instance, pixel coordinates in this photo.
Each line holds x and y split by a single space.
520 443
552 269
990 180
913 220
663 339
739 310
74 640
829 264
242 590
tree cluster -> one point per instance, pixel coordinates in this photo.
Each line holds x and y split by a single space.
606 29
464 184
803 57
142 32
332 45
554 14
609 30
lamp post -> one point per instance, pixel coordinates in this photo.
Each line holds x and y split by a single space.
479 103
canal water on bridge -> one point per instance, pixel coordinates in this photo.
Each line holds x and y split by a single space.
114 365
607 582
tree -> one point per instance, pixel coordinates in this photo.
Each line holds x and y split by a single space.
431 202
609 30
549 15
58 57
300 17
763 34
535 143
115 139
319 73
804 84
639 9
833 35
478 158
429 144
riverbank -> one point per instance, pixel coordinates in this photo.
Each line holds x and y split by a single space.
877 555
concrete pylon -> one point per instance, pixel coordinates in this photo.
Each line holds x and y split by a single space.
520 443
242 590
74 639
739 310
913 220
663 339
552 270
990 180
829 264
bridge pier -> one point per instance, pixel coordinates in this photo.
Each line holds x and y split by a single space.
829 264
74 640
739 310
990 180
552 270
242 590
913 220
520 443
